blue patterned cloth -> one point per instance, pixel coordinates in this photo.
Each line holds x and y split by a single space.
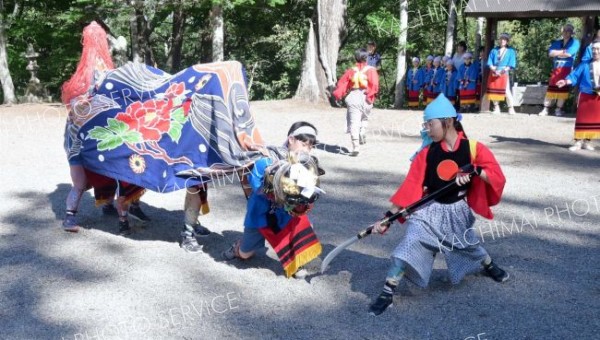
164 132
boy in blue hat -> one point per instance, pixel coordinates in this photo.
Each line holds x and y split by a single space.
445 224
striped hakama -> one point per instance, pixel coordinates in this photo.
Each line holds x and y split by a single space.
445 228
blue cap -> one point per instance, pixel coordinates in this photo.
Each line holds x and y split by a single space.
441 107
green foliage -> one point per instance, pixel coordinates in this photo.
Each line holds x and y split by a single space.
531 39
267 36
270 43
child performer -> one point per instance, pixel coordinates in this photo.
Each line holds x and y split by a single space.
361 84
501 60
450 83
284 188
414 83
467 77
427 76
437 79
445 224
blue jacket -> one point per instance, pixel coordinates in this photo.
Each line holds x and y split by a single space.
500 61
581 76
467 76
572 48
374 60
438 80
427 75
417 76
450 83
258 206
587 55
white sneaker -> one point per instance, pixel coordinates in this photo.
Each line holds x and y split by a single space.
544 112
577 146
496 110
558 112
587 145
511 111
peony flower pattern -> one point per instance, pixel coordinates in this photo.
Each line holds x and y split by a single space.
175 90
152 118
143 125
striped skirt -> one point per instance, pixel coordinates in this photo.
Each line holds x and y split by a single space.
468 97
431 95
496 87
587 123
554 92
296 244
445 228
413 98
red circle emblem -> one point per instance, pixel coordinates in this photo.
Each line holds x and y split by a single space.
447 170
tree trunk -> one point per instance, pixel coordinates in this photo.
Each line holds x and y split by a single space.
8 88
216 24
135 49
401 61
141 35
312 72
450 27
319 69
174 58
464 23
478 36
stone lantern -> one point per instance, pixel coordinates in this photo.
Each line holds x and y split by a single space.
35 92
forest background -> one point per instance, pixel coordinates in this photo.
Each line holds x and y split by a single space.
268 36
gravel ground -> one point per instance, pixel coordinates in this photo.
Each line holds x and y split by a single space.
97 285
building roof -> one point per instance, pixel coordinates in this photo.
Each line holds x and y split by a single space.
520 9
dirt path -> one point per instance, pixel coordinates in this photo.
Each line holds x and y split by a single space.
97 285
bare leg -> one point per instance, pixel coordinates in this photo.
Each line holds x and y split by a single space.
79 180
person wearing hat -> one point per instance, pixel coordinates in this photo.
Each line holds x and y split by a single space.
467 82
587 123
563 53
374 58
427 75
450 82
501 61
444 225
414 82
284 187
360 85
437 79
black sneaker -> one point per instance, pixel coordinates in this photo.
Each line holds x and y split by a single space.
201 231
189 243
496 272
136 212
124 228
384 300
70 223
109 210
